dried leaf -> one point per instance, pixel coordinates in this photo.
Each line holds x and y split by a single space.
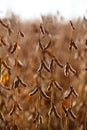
66 102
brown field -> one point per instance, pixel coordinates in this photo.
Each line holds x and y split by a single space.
43 74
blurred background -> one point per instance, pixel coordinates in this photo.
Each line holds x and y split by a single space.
31 9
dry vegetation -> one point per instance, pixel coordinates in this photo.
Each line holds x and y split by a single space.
43 74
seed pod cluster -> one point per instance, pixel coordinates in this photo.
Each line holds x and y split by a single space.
14 108
54 83
43 65
53 109
72 44
71 91
38 118
43 94
42 47
68 111
68 67
18 81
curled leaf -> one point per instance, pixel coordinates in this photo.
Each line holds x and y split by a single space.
72 44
